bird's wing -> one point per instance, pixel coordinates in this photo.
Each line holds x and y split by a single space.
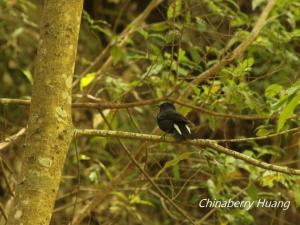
174 116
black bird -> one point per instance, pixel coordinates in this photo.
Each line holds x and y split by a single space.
172 122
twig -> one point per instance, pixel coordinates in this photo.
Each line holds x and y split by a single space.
196 142
10 140
3 212
92 105
98 105
78 178
10 189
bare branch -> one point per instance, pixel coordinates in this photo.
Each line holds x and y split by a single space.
196 142
259 138
92 105
10 140
105 105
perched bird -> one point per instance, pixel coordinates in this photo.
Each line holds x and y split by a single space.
172 122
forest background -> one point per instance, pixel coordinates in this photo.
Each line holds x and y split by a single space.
231 67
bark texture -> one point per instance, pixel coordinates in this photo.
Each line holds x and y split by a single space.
50 126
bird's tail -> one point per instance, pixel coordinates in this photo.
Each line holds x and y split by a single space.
182 132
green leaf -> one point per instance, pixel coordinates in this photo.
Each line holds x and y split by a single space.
253 192
135 199
243 67
94 176
159 27
176 171
273 90
238 21
289 94
256 3
296 190
269 178
117 54
153 69
212 189
174 162
201 24
172 36
295 33
287 112
86 80
158 36
195 55
84 157
28 75
174 9
263 132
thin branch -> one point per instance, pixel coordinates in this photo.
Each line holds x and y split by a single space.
104 105
236 53
12 139
91 105
14 101
3 212
196 142
259 138
9 187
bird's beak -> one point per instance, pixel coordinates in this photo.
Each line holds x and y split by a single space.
157 106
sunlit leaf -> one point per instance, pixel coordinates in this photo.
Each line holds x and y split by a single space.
287 112
269 178
136 199
94 176
84 157
256 3
27 73
211 188
174 9
263 132
273 90
86 80
295 33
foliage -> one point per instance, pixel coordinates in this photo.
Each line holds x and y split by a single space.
176 43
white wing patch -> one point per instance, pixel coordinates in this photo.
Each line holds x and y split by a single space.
177 128
187 127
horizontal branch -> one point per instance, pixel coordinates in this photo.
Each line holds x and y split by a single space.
90 105
103 105
196 142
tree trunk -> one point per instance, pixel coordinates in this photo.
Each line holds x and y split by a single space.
50 126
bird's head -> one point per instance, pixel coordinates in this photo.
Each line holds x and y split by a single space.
166 106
